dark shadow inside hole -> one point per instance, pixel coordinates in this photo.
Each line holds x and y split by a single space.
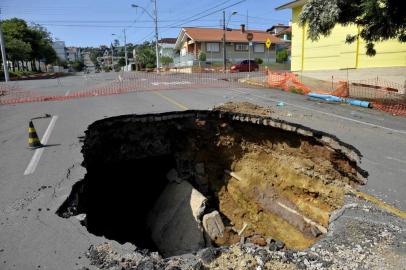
120 196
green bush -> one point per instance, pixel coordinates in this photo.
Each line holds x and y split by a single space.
117 67
150 65
295 90
77 65
106 69
121 62
166 60
282 56
259 61
202 57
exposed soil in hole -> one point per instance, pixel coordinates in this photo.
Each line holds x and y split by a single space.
244 107
178 182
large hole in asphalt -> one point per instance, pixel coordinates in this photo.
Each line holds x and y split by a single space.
179 182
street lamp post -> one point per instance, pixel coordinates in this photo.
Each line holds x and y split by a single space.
224 37
155 18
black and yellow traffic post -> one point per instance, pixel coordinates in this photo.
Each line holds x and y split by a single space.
33 140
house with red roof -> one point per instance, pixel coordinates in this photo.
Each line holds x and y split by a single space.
192 41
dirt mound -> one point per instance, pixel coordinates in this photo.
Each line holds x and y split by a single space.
244 107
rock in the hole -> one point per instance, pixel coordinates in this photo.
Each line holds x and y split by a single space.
213 225
172 176
207 255
81 217
258 240
275 245
174 220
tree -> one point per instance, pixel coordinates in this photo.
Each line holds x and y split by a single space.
77 65
202 56
121 62
282 56
16 40
145 54
166 60
379 20
258 60
27 43
18 50
42 42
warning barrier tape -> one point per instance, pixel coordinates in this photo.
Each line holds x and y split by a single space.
104 91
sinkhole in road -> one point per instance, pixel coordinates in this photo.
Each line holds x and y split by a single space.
178 182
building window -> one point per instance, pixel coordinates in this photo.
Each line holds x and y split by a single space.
213 47
241 47
259 48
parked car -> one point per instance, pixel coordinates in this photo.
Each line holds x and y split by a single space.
245 66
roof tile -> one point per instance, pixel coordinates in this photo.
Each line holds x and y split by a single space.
216 34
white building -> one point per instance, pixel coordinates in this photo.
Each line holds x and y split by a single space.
73 54
60 49
167 47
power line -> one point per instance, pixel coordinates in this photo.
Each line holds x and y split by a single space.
112 21
259 18
206 15
117 26
202 12
197 14
211 13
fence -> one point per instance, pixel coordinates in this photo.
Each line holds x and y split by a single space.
383 95
127 82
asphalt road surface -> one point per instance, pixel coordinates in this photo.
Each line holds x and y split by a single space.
33 186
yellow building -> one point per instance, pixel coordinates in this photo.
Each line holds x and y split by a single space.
333 53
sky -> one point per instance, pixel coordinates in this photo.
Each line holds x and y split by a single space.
92 22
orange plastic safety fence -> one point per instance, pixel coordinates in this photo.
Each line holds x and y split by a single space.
384 95
287 81
395 109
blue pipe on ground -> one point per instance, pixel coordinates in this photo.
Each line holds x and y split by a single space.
359 103
351 101
325 97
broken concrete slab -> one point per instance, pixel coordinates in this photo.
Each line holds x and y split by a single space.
213 225
174 220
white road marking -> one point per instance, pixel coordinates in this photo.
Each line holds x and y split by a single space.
67 93
396 159
38 152
326 113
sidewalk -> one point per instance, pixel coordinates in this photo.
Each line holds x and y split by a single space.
395 74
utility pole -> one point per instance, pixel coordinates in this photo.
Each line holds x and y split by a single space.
156 37
155 18
112 57
247 20
125 51
224 42
3 53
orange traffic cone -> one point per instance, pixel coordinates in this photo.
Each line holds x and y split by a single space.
33 140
